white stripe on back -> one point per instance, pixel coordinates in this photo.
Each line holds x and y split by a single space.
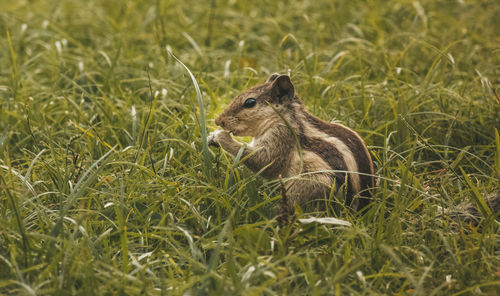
346 153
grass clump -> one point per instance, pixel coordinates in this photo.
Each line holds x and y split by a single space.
106 188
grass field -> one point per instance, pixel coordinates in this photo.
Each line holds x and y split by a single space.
107 186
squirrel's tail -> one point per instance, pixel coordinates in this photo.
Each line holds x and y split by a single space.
468 212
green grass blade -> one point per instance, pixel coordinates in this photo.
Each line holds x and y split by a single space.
202 121
478 199
3 138
81 187
497 153
20 224
15 72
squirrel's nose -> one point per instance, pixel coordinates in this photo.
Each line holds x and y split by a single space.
219 122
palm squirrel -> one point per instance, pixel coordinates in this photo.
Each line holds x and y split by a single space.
312 157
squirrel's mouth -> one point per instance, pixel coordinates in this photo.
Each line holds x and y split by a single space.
232 130
235 132
228 129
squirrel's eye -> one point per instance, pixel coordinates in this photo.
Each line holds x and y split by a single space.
249 103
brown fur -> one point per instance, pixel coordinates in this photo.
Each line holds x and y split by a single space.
311 155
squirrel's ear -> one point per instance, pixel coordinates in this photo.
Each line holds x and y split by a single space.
282 89
272 77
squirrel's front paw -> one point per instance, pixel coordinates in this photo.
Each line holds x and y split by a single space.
215 137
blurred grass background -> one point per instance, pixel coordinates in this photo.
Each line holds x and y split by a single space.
104 188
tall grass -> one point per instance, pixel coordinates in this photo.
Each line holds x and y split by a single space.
107 185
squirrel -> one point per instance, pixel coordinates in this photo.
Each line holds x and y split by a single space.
312 158
312 155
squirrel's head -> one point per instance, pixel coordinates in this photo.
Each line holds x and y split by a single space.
257 109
